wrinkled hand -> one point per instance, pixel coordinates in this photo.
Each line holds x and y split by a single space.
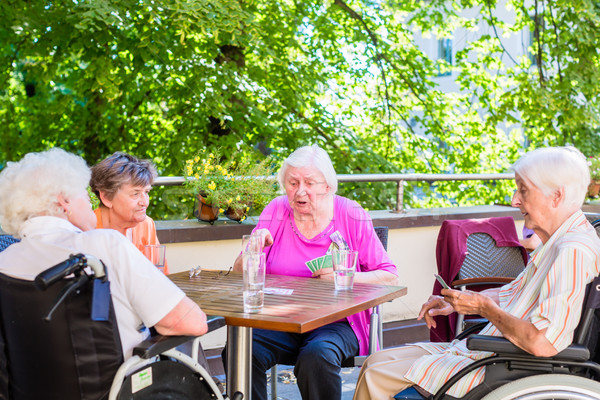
464 302
324 273
435 305
267 239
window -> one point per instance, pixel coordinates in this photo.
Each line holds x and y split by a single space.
445 53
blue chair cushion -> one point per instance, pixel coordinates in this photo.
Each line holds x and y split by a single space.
409 394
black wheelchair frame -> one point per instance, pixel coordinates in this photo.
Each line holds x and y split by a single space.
56 320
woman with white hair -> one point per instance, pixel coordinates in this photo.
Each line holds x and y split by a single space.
44 201
538 311
299 227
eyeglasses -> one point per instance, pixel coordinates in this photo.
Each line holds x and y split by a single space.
195 272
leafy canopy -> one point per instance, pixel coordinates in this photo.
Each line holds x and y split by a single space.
164 79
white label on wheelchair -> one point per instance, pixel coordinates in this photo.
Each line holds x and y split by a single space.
141 380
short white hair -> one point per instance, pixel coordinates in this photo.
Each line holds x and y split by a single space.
30 187
310 156
550 168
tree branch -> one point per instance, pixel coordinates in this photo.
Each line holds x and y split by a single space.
354 15
378 57
554 25
489 7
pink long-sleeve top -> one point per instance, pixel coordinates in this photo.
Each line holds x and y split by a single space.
291 250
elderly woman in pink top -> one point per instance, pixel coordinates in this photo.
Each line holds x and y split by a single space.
297 228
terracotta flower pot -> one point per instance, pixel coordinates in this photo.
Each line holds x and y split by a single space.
205 212
594 188
235 215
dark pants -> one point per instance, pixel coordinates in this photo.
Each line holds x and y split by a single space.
317 356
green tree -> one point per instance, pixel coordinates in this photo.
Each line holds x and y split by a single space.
164 78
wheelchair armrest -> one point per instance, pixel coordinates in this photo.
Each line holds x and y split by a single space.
494 344
502 346
158 344
471 330
214 322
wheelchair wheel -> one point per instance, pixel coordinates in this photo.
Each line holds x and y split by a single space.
548 387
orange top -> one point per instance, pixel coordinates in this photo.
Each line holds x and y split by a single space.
140 235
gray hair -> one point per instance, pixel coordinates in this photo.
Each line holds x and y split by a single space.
310 156
111 173
551 168
31 186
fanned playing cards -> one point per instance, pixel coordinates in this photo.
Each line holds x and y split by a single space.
318 263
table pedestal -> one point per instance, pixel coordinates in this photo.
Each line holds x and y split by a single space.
239 358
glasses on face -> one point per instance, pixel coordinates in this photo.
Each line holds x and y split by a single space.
307 184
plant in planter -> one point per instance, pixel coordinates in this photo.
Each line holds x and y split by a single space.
594 164
230 187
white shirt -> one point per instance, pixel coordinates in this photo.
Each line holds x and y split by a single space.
141 294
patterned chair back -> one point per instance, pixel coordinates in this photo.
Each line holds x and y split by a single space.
485 259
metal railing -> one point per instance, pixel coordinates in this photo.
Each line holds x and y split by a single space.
400 179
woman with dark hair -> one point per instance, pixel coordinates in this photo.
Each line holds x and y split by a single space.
122 182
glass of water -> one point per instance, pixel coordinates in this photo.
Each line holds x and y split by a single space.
252 243
156 254
344 267
254 267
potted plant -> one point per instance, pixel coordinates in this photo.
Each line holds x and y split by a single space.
594 164
229 187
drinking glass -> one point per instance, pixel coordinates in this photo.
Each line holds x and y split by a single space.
344 267
254 267
252 243
156 254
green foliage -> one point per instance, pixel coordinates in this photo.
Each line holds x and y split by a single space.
162 79
594 164
230 184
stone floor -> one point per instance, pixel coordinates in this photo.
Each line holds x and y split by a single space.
288 390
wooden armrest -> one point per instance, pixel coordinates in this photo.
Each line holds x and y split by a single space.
488 280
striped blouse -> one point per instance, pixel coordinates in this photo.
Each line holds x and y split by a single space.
549 293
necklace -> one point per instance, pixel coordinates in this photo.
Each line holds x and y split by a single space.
321 235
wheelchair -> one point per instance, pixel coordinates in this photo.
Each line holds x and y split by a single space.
59 340
513 374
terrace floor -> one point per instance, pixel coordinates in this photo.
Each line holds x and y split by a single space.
287 389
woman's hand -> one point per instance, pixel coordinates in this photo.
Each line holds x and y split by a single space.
324 273
435 305
267 239
465 302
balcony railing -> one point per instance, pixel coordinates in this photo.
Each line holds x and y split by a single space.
400 179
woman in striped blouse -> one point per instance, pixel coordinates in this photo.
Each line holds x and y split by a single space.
538 311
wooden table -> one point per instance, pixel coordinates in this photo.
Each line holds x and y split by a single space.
312 304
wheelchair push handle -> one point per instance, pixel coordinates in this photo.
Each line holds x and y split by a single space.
75 263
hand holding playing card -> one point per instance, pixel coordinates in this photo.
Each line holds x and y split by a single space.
324 273
319 263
